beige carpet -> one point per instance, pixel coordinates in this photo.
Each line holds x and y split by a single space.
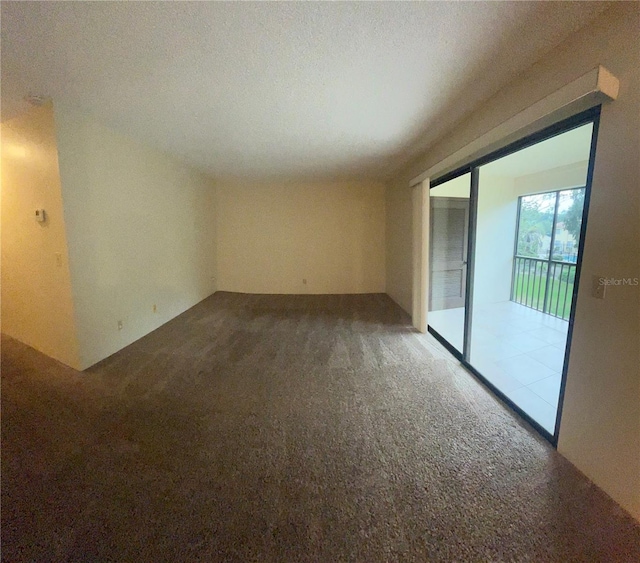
284 428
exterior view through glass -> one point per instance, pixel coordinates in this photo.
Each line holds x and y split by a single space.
448 239
529 208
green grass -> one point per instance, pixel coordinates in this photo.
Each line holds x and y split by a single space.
562 290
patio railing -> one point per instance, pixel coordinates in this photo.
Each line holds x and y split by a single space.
543 285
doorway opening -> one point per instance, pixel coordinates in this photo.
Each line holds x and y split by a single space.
506 241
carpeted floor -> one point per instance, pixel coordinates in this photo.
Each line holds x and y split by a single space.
284 428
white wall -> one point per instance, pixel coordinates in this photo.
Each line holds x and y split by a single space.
563 177
495 235
140 226
458 187
497 215
37 308
600 429
271 237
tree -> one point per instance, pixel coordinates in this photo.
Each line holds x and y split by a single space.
573 215
535 223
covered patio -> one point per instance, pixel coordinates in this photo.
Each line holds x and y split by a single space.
518 349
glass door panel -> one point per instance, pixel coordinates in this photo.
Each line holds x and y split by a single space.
530 207
448 239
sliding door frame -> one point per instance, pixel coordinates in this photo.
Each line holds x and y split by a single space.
591 115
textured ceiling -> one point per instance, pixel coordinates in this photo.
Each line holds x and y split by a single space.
277 90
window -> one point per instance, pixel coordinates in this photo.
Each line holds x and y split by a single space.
547 221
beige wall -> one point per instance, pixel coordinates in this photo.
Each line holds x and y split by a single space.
600 429
140 226
271 237
37 307
398 247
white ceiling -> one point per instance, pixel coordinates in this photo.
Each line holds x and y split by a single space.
278 90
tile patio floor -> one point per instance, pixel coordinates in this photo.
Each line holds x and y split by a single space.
518 349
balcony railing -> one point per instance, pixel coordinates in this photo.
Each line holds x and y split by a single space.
543 285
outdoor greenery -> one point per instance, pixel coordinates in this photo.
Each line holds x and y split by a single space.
572 218
534 231
535 222
526 291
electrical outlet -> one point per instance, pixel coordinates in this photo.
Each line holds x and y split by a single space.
598 287
304 281
155 308
119 325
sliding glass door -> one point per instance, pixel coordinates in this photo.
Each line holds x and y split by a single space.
524 212
448 241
